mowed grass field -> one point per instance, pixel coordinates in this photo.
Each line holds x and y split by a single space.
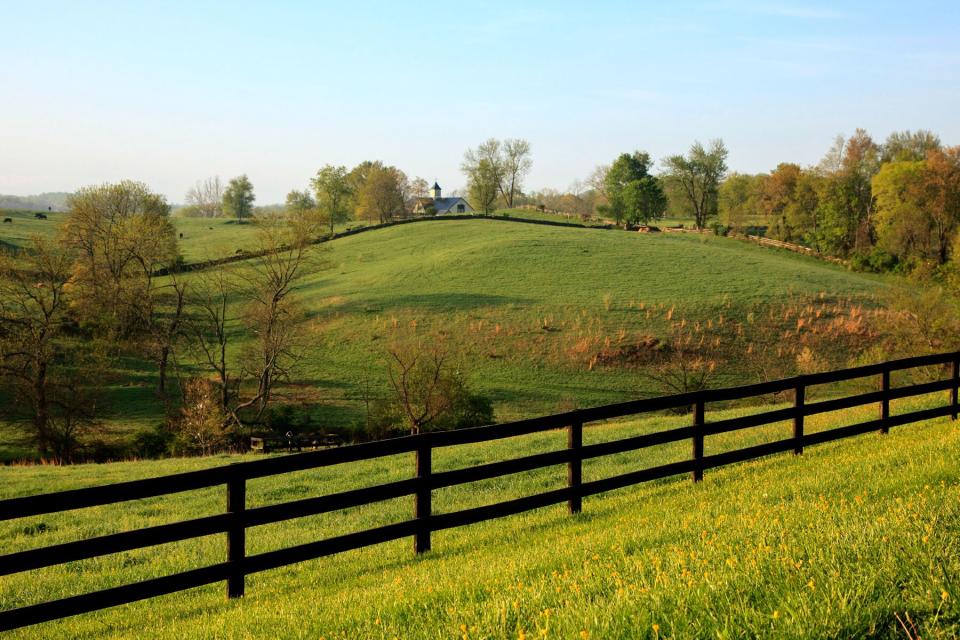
539 318
852 539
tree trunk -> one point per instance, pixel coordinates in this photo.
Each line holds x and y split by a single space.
162 370
41 414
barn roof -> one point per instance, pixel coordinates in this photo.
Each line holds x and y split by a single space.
445 204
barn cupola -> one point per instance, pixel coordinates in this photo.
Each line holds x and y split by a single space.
435 191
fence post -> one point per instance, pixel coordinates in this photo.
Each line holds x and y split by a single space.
236 535
421 505
698 421
956 386
885 401
798 399
575 466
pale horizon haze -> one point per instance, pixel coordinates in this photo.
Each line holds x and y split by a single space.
170 93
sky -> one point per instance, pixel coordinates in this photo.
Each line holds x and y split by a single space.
171 92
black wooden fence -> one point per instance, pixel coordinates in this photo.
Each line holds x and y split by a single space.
237 518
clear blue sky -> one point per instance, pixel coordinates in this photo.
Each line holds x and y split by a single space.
170 92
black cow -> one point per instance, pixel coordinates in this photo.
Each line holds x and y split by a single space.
8 220
40 216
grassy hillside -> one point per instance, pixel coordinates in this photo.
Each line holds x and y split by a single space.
544 316
540 317
836 543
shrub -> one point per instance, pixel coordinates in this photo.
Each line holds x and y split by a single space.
287 417
469 410
719 229
876 261
201 426
428 391
153 443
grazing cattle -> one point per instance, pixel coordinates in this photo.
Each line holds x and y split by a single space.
211 228
181 235
40 216
8 220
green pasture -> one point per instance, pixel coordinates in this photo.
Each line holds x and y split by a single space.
539 318
852 539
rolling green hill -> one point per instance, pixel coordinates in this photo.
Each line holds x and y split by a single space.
845 541
544 316
540 318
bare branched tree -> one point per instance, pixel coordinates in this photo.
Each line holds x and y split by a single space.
206 197
503 164
682 365
49 379
165 326
33 313
420 378
210 298
516 164
272 315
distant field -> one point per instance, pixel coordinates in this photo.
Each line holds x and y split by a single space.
543 318
837 543
203 238
25 225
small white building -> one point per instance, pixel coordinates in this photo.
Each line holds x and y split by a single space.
438 205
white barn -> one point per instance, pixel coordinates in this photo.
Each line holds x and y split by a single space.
440 205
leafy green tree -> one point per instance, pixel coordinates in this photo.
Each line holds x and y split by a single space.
238 198
484 185
845 198
333 191
633 195
698 176
483 168
381 195
300 203
738 197
644 200
900 221
800 216
120 234
910 145
918 207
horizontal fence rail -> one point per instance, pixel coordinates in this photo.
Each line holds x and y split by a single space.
237 518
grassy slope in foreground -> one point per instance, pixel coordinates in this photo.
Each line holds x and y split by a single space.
834 543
